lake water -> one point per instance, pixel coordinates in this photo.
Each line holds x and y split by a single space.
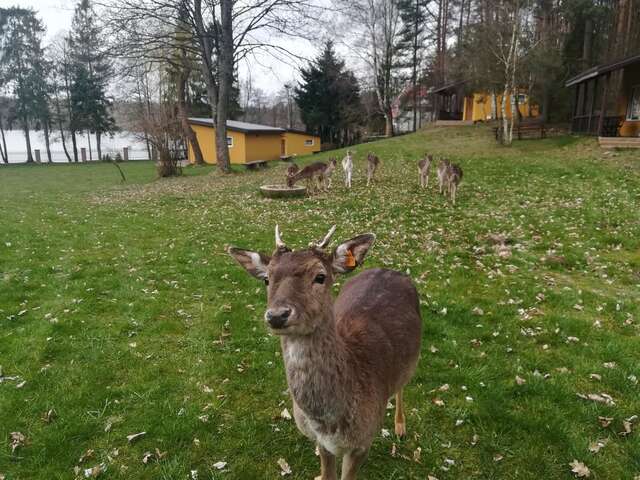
17 148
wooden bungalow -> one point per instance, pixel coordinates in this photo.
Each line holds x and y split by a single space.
250 143
607 103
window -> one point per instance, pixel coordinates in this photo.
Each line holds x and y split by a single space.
229 142
522 98
633 112
308 143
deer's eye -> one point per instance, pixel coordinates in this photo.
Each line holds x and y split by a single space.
266 281
320 278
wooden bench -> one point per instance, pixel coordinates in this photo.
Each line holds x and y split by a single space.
256 164
524 130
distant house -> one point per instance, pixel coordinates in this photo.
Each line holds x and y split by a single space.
250 142
453 103
607 103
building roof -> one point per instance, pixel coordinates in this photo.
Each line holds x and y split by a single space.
301 132
237 126
603 69
449 86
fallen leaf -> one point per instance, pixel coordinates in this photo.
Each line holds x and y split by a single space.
628 425
520 380
17 440
135 436
497 457
416 454
598 397
580 469
474 439
94 471
594 447
595 376
146 457
48 416
285 414
431 477
88 454
285 469
605 421
438 402
219 465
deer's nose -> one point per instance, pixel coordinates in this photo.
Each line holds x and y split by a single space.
277 317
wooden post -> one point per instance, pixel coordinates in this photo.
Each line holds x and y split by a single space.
591 103
603 107
125 154
83 154
37 152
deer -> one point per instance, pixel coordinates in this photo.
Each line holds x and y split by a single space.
311 173
372 165
453 179
331 166
343 358
292 169
347 166
424 165
442 173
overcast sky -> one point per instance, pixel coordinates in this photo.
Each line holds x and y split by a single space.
267 73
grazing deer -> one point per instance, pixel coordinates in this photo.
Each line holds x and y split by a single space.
313 174
424 166
343 359
372 165
347 166
292 170
453 179
333 162
442 173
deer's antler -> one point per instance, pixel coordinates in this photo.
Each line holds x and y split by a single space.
325 240
279 243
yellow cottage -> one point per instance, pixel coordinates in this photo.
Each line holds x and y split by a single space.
250 142
478 108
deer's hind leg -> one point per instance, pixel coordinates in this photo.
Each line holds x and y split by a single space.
351 463
327 465
400 421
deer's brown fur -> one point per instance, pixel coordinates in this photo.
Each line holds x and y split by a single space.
424 165
313 174
343 359
372 165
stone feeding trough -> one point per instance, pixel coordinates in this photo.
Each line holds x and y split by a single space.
283 191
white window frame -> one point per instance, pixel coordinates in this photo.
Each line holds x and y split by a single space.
522 98
635 93
309 142
229 142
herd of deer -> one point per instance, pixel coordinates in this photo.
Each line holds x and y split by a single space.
318 174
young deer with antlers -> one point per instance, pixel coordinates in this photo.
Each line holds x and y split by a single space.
372 165
424 166
345 358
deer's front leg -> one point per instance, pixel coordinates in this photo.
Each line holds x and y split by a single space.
351 463
327 465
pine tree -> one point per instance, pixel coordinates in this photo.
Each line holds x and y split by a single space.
22 66
91 71
329 98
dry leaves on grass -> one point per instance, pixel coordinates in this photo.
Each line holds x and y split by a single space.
17 441
219 465
598 397
594 447
580 469
135 436
285 414
285 469
628 425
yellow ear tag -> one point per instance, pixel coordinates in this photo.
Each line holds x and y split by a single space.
351 260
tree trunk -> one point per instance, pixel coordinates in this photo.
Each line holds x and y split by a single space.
182 114
505 120
388 124
27 138
586 46
74 142
3 150
89 142
59 116
99 145
414 73
225 74
545 105
46 140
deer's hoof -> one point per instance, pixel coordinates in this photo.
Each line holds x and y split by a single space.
401 429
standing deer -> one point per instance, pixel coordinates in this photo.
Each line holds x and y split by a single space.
333 162
424 166
343 359
347 166
453 179
442 173
372 165
292 170
313 174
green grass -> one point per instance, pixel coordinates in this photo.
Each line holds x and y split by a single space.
119 307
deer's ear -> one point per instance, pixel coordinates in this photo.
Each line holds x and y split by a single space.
350 254
253 262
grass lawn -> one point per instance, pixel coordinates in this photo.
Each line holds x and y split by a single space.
121 313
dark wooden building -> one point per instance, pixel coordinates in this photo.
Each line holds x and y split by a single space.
607 102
